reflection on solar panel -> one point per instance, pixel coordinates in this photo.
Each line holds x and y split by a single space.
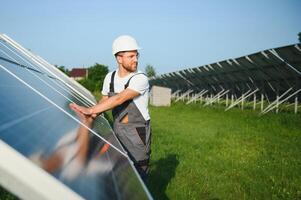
67 157
273 75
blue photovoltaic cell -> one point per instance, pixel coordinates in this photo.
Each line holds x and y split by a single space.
36 121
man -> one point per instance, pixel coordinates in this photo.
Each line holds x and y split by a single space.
126 91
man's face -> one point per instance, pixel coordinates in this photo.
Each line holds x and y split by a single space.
129 60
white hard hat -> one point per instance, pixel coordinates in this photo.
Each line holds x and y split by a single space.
124 43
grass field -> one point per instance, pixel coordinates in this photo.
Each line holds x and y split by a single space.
206 153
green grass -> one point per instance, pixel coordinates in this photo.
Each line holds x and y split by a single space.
5 195
206 153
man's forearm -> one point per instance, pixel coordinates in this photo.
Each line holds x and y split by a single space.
105 104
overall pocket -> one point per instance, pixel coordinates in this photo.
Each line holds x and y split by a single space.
142 133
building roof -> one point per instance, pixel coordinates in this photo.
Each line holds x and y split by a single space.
78 72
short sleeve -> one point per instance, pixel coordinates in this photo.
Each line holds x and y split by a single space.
106 85
139 83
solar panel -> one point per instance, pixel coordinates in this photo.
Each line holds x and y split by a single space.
79 159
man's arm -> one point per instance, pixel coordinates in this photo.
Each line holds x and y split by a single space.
103 98
107 103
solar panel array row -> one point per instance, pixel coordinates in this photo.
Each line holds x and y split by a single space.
272 72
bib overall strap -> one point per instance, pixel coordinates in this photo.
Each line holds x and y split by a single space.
127 83
112 82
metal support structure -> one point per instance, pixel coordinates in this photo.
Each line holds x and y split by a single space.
183 95
242 98
174 95
196 96
279 102
216 97
242 101
276 101
262 99
201 97
254 102
296 105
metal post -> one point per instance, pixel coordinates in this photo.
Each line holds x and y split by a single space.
277 103
296 105
254 105
232 98
262 98
226 100
242 101
183 95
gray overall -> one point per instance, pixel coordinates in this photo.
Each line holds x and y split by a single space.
135 136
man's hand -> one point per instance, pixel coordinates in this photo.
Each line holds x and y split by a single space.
85 114
81 109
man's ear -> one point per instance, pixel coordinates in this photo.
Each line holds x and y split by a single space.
119 59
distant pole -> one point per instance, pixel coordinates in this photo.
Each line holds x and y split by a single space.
254 105
226 100
296 105
242 101
277 103
262 98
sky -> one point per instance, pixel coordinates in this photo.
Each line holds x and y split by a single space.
173 34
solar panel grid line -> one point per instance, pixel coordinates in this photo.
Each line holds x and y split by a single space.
64 78
48 84
31 55
61 109
12 123
15 62
45 82
26 53
17 57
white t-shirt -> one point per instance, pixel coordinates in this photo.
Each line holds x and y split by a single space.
138 83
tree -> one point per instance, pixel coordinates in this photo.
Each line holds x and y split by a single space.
63 69
299 37
150 71
96 75
88 84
